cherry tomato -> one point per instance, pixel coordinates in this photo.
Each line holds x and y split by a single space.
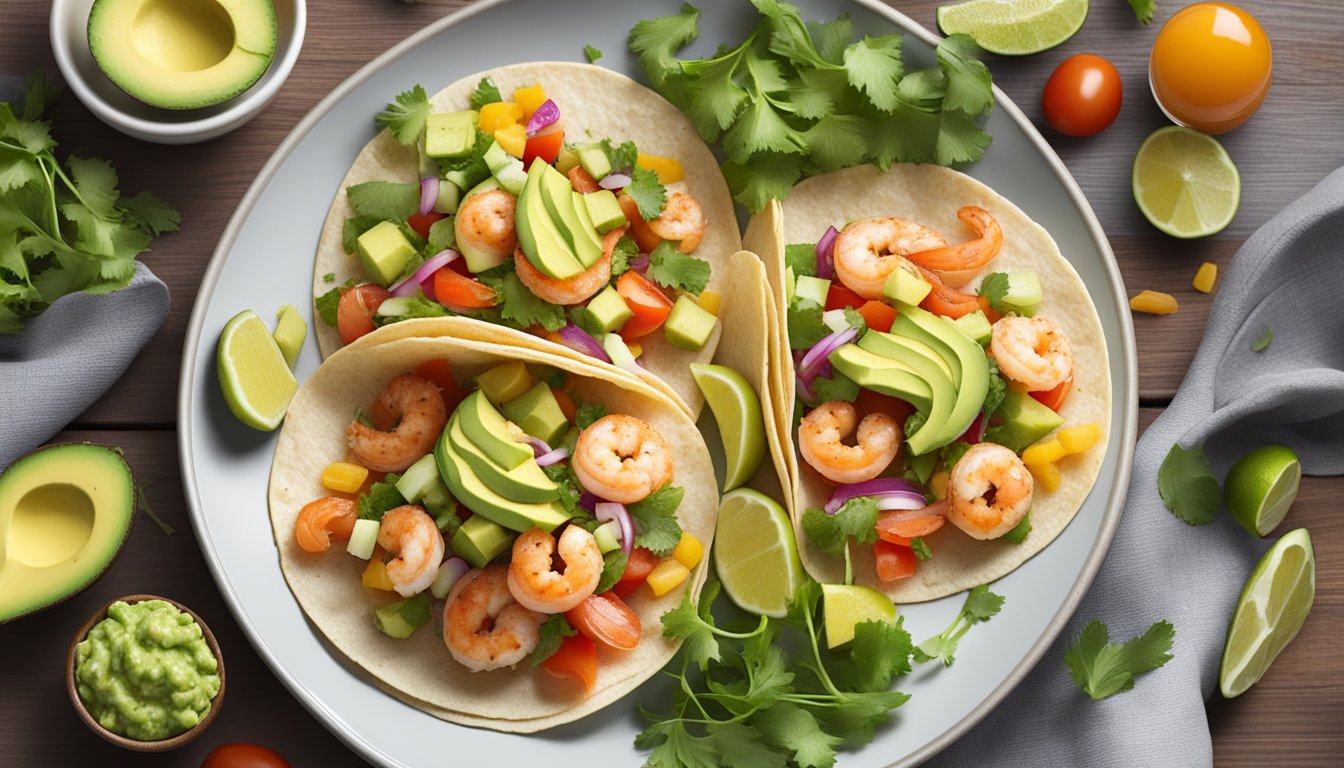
546 146
460 293
440 372
354 315
893 561
576 658
1054 398
606 620
241 755
637 570
421 222
648 303
1082 97
897 530
839 297
639 230
879 315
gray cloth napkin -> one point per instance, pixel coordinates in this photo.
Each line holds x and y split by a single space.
67 357
1289 278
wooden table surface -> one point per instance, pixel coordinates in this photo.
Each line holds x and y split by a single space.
1293 717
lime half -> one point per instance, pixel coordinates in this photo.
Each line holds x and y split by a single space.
737 410
1272 607
253 375
846 606
1185 183
755 554
1261 487
1015 28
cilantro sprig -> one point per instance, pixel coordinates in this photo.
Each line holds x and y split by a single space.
1187 486
981 605
1101 668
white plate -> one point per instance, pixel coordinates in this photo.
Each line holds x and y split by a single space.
265 259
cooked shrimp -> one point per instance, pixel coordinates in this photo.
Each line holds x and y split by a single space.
484 222
419 406
410 533
322 519
957 264
682 220
869 249
539 585
990 490
483 626
823 429
570 290
621 458
1032 351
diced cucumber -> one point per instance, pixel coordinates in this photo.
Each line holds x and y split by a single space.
619 352
814 289
450 196
403 617
362 538
450 571
608 536
394 307
512 177
1024 289
418 478
835 320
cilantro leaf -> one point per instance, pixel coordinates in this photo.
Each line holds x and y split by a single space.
95 184
920 548
981 605
150 213
738 744
694 625
405 118
441 235
622 156
327 303
801 258
969 85
569 494
831 37
676 747
879 652
837 141
1262 343
384 200
794 730
874 66
591 54
655 40
625 250
767 177
821 530
1187 485
998 389
655 518
553 631
856 518
587 413
381 497
953 453
520 308
485 92
1020 531
805 325
472 166
761 129
1143 10
647 192
837 386
671 268
613 566
994 287
1101 668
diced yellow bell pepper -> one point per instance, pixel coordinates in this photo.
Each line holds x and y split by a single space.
1154 303
636 349
1047 475
668 169
498 115
529 98
709 301
666 576
938 484
344 477
375 575
1080 438
1205 277
1045 452
688 551
512 139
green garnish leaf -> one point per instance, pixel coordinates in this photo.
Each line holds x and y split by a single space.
981 605
381 497
520 308
329 278
874 66
1187 485
801 258
587 413
647 192
1143 10
569 494
655 40
837 386
998 389
856 519
485 92
953 453
1101 668
613 565
1262 343
553 632
671 268
405 118
591 54
328 302
655 519
920 548
796 732
442 235
1020 531
804 323
969 85
994 287
625 250
384 200
768 177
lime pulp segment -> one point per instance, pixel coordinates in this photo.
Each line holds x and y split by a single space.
1272 608
737 410
1014 28
1185 183
255 379
755 554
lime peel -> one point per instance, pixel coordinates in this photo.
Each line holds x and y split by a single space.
254 378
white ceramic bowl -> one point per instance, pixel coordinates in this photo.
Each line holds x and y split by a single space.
70 44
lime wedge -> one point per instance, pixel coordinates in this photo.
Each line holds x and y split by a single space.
755 554
1015 28
846 606
1261 487
737 410
1185 183
1272 607
253 375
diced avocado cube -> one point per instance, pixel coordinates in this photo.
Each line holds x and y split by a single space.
688 326
394 307
478 541
975 325
566 160
290 331
450 134
813 289
1024 289
403 617
609 310
466 179
604 211
450 196
537 413
418 479
505 381
1025 420
902 285
384 252
594 160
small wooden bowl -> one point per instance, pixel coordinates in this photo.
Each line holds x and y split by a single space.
135 745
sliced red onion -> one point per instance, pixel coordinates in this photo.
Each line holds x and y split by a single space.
429 193
577 339
819 371
826 254
614 181
821 351
610 510
425 271
640 263
588 500
551 457
893 487
545 116
900 501
539 446
938 508
976 432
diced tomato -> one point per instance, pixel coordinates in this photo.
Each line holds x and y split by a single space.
421 222
639 228
606 620
1054 398
547 147
893 561
876 402
640 565
901 531
354 314
457 292
646 300
577 658
879 315
839 297
441 373
990 313
460 267
566 404
582 181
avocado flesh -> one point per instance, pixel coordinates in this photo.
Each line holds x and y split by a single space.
525 483
558 194
467 487
65 512
538 236
966 359
926 364
538 413
478 541
183 55
884 375
489 432
1025 420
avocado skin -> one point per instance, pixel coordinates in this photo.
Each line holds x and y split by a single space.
25 590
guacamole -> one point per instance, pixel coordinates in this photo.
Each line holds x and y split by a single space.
146 671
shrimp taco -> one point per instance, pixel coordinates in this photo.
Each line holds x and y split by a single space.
466 473
564 205
945 365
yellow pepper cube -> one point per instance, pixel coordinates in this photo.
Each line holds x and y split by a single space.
636 349
512 139
501 114
375 576
344 477
938 484
666 576
1205 277
1154 303
688 551
529 99
668 169
709 301
1047 476
1046 452
1080 438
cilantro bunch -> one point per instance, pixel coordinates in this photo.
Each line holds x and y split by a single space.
63 230
798 98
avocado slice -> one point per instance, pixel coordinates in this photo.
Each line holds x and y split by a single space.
525 483
467 488
965 358
884 375
1025 420
928 366
558 194
478 541
65 512
538 236
488 430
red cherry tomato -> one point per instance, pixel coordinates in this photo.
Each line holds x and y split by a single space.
421 222
241 755
838 297
1082 97
354 315
547 147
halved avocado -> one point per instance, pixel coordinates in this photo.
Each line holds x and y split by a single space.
183 54
538 235
65 512
489 431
